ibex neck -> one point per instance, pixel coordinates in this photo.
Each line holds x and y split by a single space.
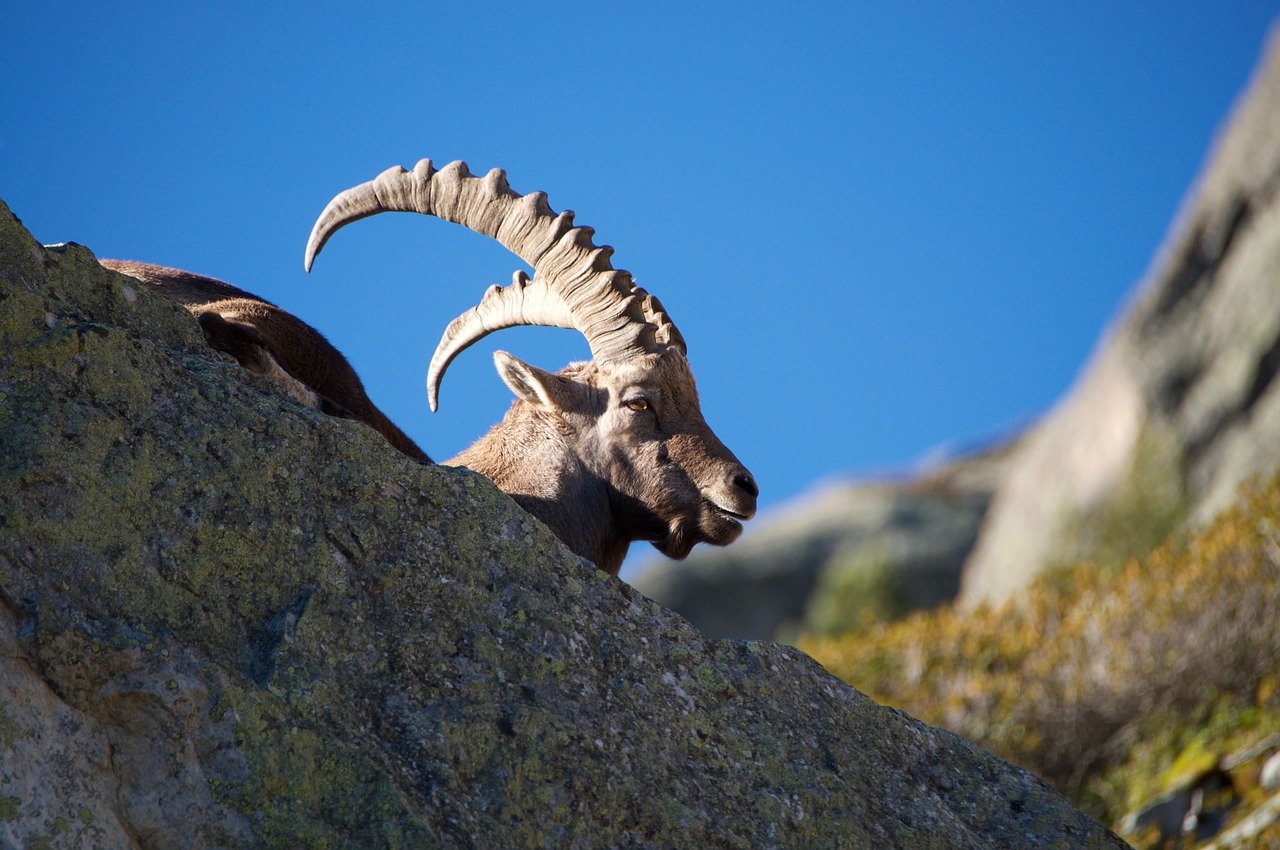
548 480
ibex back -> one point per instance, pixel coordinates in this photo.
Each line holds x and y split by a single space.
604 452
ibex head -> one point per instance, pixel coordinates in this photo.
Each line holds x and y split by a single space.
605 452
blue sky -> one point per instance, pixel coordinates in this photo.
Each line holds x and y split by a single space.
882 228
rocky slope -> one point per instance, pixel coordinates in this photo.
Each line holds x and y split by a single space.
1180 405
230 622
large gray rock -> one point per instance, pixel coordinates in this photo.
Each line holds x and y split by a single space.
227 621
818 563
1179 405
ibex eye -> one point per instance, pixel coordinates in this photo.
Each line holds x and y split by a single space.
638 404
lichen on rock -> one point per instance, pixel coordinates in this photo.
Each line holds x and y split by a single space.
230 621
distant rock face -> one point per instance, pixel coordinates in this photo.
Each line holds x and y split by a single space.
228 621
1177 409
813 566
1180 405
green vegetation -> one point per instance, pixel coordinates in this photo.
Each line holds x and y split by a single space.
1150 505
855 586
1114 685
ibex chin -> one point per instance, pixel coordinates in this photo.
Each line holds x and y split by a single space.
604 452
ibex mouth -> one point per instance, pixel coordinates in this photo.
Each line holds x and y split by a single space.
726 525
734 513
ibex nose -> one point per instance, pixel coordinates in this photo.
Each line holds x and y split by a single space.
742 495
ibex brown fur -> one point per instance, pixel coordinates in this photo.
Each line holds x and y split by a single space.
604 452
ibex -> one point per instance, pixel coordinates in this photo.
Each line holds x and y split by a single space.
604 452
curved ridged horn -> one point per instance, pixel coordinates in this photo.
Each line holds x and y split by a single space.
524 302
574 284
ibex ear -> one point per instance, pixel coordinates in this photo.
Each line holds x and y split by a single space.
529 383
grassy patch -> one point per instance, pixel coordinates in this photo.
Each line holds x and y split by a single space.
1105 682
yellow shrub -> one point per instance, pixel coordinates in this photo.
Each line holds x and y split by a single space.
1097 679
